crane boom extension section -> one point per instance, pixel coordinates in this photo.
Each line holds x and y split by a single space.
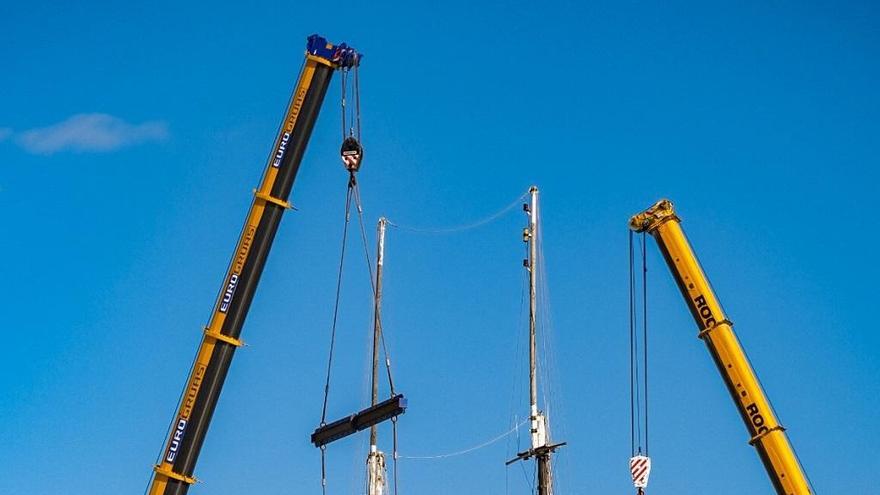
174 473
767 434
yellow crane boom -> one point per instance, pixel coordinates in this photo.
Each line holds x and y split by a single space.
767 434
173 474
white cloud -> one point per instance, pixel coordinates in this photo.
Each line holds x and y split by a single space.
89 132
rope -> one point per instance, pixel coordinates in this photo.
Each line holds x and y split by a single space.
461 228
468 450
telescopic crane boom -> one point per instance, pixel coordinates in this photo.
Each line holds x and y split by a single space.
174 473
767 434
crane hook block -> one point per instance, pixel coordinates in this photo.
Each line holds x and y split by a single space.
640 468
352 153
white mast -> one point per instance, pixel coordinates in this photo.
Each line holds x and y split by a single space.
541 448
538 426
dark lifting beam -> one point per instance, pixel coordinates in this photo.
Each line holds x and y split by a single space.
370 416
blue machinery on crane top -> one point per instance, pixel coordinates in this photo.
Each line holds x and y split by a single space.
341 55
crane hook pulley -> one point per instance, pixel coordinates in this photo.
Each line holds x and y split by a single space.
640 469
352 153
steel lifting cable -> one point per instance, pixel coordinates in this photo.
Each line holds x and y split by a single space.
645 330
348 197
632 377
352 155
357 99
343 81
634 386
640 463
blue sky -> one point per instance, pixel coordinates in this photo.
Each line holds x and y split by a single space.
132 133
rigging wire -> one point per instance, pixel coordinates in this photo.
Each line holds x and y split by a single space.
519 361
362 223
373 282
353 195
351 131
549 369
553 386
469 449
460 228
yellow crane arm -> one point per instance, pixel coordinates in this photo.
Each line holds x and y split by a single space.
173 474
767 434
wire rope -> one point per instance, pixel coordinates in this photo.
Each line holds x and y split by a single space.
463 227
469 449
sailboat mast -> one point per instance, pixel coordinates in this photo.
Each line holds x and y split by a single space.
376 459
541 448
533 348
377 323
539 433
